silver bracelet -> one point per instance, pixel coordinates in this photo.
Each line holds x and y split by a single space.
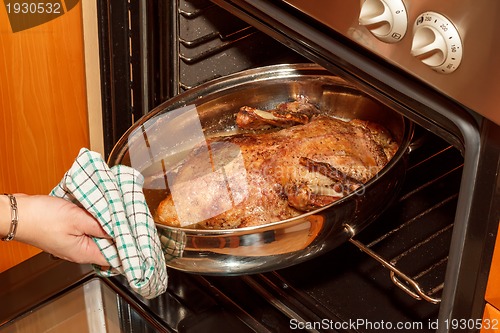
13 218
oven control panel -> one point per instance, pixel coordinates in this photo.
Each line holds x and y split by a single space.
451 45
436 41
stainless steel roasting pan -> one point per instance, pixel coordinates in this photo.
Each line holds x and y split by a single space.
160 139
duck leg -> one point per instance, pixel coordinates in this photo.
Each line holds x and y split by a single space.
284 115
307 197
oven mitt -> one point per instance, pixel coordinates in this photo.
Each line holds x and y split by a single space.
114 197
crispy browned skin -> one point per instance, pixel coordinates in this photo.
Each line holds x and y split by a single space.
273 170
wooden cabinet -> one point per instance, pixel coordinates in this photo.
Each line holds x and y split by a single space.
43 109
493 288
492 309
491 319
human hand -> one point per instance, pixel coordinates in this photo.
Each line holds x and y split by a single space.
60 228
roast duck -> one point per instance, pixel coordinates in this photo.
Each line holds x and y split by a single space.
286 161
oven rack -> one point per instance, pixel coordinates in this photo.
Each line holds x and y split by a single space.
421 279
399 278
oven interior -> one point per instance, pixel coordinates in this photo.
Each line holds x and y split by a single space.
167 48
344 284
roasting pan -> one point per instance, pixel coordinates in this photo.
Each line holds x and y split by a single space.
162 138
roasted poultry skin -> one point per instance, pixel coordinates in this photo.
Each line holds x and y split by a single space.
250 179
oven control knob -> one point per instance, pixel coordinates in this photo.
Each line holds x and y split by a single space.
385 19
436 42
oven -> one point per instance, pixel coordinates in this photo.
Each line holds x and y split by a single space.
423 265
431 61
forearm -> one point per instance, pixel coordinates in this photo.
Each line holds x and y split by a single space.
38 216
33 213
5 215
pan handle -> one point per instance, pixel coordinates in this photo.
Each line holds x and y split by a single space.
395 273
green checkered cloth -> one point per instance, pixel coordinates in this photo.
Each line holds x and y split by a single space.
114 197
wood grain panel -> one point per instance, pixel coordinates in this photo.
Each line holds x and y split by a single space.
43 113
491 320
493 288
